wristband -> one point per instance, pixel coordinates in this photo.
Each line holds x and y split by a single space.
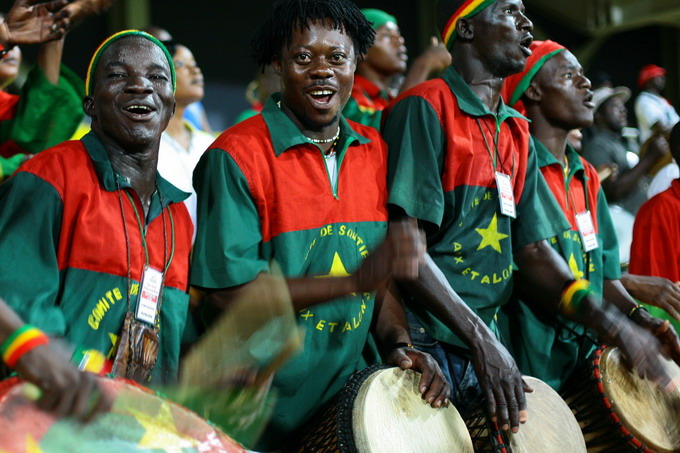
636 308
402 345
573 295
22 341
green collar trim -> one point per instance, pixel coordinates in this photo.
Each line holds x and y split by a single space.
545 158
107 175
285 134
471 104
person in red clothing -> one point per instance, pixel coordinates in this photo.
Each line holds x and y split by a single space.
385 60
655 249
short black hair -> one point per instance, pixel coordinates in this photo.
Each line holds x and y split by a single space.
289 15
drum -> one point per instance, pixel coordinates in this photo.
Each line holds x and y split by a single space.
139 421
551 426
380 410
618 411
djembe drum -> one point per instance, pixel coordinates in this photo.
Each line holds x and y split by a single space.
618 411
381 410
139 421
551 426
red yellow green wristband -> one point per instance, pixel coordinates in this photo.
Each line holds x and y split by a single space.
573 296
22 341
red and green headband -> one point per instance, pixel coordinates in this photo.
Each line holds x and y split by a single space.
469 8
516 84
89 81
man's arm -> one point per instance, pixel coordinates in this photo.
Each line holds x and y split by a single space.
546 274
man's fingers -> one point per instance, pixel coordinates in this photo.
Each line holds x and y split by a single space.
55 5
82 397
501 409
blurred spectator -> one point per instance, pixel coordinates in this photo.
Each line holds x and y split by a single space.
383 63
266 83
606 148
651 109
182 144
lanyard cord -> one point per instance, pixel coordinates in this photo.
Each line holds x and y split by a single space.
167 260
569 195
496 155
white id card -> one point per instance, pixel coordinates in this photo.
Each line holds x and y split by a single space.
149 295
587 230
505 194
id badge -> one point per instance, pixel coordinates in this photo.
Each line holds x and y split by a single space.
587 231
149 295
505 194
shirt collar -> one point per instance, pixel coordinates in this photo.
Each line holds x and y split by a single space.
370 88
470 103
545 158
285 134
107 175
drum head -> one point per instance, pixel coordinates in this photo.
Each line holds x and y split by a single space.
649 413
139 421
551 425
390 416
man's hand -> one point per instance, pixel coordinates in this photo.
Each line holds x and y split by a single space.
656 291
435 57
79 10
433 386
501 383
65 390
662 330
399 257
30 22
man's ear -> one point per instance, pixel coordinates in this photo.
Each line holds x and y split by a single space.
533 93
465 28
88 106
276 64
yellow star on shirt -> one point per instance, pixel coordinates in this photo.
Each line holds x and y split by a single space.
32 446
160 431
574 267
490 236
337 268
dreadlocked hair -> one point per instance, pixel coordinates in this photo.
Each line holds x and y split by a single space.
287 15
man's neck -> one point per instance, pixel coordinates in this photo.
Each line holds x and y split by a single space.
553 138
380 80
485 85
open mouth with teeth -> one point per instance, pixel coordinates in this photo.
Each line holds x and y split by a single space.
322 96
139 111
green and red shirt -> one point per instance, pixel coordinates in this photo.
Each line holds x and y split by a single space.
549 348
367 102
65 249
43 115
264 194
442 164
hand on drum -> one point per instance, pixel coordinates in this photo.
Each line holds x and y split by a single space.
502 385
399 256
663 331
433 386
644 351
65 390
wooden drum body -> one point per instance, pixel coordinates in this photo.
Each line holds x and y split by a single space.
551 426
380 410
618 411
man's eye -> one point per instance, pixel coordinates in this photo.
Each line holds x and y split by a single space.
158 77
303 58
338 57
179 64
116 75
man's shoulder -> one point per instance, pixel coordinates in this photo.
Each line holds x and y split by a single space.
251 131
436 93
66 157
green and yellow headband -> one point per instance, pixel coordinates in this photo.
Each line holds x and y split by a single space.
378 17
89 81
469 8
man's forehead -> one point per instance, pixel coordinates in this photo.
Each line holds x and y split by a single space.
133 47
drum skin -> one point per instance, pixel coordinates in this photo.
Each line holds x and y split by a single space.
139 421
389 415
551 426
380 410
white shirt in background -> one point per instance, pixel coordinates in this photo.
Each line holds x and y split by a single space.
650 109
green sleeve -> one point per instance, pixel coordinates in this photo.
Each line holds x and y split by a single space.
10 164
416 143
30 223
611 265
228 238
46 114
538 214
365 117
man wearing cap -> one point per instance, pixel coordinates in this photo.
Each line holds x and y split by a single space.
627 185
95 242
651 109
556 97
385 60
462 163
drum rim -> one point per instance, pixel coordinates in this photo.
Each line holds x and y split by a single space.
596 376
